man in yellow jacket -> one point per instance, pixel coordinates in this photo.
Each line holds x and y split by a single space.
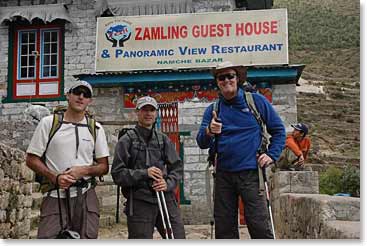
296 149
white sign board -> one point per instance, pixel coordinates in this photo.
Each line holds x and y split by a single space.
127 43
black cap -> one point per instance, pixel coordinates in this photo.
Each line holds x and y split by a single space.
300 127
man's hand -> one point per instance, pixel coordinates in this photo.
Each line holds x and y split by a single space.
76 171
215 126
264 160
65 180
159 185
300 162
155 173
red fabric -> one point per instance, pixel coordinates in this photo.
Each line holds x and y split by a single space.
298 147
241 208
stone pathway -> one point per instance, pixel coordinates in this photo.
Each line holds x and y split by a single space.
194 232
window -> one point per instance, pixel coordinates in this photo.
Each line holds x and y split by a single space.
37 62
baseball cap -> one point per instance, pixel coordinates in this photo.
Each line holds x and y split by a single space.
81 83
300 127
147 100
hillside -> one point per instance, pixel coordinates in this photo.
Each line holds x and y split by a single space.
325 35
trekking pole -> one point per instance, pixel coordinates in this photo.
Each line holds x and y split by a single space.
209 199
169 229
161 212
118 205
268 200
212 222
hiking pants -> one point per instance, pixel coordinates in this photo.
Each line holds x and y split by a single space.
287 159
146 216
84 217
228 186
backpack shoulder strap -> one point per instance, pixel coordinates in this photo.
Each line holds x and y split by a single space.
133 137
252 106
92 127
161 143
56 124
132 134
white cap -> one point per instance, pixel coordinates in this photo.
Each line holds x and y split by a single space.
81 83
147 100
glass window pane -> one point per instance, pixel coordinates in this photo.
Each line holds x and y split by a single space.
23 72
46 49
46 60
46 71
54 37
24 37
23 60
46 36
24 49
54 59
53 71
54 48
32 37
32 47
31 72
31 60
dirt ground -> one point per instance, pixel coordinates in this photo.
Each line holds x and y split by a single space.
194 232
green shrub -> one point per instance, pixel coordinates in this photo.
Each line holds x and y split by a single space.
335 180
330 181
351 180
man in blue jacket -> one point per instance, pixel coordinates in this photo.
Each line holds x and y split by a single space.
238 137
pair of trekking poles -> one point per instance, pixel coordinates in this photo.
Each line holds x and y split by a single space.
164 215
163 210
162 205
263 171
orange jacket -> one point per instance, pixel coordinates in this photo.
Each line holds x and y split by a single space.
298 148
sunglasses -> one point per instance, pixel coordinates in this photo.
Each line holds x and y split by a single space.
229 76
79 90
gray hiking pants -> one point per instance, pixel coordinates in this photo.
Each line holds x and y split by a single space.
228 186
146 216
287 159
85 218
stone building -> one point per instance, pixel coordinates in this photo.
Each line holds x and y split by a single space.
45 45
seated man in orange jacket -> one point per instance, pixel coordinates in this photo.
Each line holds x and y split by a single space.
296 149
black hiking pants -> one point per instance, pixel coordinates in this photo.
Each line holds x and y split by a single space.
228 186
146 216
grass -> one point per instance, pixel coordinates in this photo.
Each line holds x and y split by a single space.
324 35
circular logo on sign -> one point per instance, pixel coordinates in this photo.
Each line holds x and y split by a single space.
118 34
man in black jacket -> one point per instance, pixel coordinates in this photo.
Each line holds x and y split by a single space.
146 162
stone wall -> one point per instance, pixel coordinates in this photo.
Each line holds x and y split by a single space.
15 193
299 212
195 179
